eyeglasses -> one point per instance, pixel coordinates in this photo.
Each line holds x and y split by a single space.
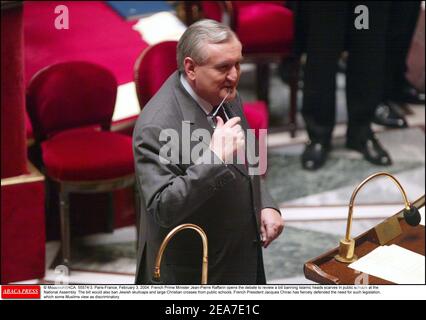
212 117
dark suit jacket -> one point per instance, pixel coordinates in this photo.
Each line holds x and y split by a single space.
222 199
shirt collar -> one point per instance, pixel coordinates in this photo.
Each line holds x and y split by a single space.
204 105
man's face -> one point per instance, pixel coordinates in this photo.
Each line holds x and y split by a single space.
219 73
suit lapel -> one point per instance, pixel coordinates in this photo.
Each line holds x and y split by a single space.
191 111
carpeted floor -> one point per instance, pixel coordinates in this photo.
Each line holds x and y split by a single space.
112 43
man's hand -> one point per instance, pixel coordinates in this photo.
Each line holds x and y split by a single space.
271 225
228 139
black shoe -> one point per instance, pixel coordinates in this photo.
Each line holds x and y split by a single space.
409 94
315 155
390 115
371 149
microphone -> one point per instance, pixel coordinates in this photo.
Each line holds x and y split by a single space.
412 216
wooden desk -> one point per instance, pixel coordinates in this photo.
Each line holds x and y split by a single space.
326 270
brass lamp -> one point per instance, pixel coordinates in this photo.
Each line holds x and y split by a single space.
166 240
347 245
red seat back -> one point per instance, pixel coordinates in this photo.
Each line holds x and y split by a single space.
152 68
263 27
212 10
70 95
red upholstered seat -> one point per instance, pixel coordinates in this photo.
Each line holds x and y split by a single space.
153 66
212 10
70 95
264 27
158 62
68 103
88 155
62 100
257 115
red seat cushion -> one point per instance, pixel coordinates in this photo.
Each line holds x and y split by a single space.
87 155
257 115
265 27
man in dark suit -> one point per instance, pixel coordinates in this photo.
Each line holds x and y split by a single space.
182 147
329 27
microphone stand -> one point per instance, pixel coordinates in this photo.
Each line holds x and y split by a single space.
347 245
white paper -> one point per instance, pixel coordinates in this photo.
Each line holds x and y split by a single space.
163 26
127 104
393 263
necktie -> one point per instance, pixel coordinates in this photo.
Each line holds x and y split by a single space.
221 113
225 113
217 113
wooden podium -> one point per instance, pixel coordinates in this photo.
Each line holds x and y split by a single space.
325 269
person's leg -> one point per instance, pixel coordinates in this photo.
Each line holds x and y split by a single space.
403 17
403 20
365 81
324 42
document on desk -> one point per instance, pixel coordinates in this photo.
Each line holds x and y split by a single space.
393 263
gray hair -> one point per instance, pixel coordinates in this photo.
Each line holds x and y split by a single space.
196 36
